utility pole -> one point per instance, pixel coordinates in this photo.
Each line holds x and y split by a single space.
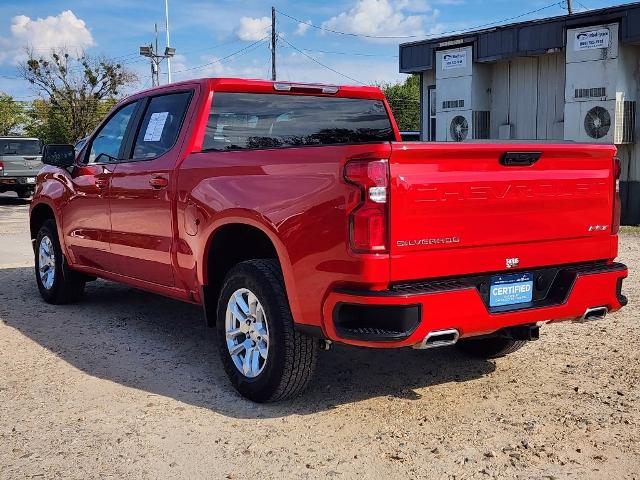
156 83
166 24
273 43
570 7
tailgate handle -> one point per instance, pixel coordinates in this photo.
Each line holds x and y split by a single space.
520 159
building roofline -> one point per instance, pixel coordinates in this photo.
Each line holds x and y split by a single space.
596 14
519 37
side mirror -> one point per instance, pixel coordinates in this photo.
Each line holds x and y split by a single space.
59 155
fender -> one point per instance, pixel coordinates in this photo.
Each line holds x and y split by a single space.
252 219
51 191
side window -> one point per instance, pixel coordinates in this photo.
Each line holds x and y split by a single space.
161 125
106 144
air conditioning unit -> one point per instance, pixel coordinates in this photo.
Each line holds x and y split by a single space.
612 121
459 126
464 98
601 86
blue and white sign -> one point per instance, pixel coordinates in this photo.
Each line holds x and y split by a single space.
454 60
592 39
511 289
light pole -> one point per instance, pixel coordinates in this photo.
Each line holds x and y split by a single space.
166 24
149 52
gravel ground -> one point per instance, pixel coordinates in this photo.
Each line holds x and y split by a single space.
128 385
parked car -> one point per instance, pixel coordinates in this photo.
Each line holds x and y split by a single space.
295 216
20 160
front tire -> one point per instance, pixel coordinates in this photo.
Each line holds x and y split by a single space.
263 356
492 347
56 283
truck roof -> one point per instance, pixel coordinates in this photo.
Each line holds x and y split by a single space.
243 85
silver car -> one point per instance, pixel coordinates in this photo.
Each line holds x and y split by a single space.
20 161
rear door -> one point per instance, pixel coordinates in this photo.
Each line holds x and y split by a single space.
142 194
461 208
21 157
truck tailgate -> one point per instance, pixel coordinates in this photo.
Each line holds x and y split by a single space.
459 209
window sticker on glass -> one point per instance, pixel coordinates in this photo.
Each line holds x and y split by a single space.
155 126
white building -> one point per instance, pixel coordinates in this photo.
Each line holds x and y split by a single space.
573 77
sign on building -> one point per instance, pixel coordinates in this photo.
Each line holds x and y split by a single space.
454 60
592 39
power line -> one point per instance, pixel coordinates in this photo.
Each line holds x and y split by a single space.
320 63
357 54
424 36
582 5
342 33
237 52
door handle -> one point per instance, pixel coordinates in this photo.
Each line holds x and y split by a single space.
159 182
102 182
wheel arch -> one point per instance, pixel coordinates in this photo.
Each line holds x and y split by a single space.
232 241
39 214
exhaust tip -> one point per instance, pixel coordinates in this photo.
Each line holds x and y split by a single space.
594 313
438 338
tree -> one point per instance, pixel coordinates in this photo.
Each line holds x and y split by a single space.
77 91
404 99
47 123
12 115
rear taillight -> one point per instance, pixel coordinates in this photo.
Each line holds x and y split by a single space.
368 221
1 166
615 222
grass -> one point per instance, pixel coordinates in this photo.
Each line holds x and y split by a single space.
631 230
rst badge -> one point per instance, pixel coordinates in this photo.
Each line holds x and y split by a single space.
513 262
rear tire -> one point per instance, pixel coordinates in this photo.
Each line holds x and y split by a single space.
273 361
492 347
57 284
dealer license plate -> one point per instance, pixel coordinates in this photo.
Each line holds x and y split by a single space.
31 179
511 289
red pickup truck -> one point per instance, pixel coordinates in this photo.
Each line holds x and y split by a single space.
296 217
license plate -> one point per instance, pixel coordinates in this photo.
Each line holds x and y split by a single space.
31 179
511 289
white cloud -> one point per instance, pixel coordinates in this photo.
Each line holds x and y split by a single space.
44 34
451 2
302 28
252 29
385 18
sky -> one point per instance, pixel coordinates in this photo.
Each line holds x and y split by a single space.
215 38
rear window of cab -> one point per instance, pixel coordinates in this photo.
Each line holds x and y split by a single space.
245 121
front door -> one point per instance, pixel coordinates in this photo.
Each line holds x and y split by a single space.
86 217
142 193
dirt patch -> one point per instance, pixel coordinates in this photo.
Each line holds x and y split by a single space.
128 385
